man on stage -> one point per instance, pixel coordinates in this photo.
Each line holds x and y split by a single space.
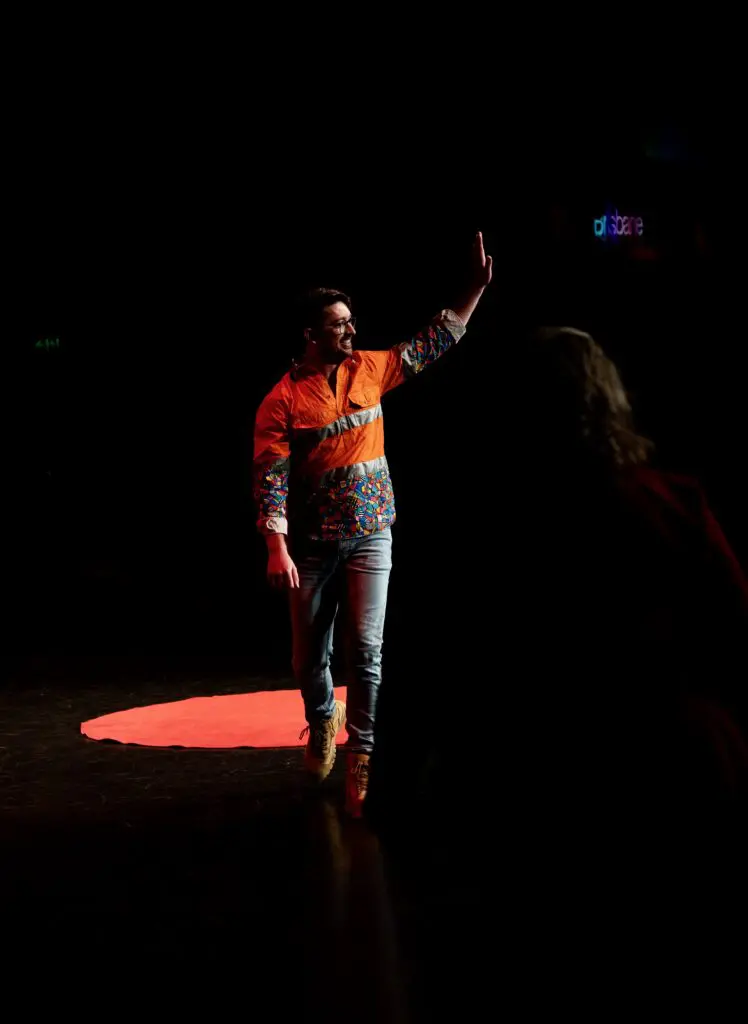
326 506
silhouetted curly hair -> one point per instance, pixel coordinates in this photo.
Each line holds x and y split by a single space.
582 406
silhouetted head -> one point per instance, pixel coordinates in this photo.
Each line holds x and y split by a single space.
578 408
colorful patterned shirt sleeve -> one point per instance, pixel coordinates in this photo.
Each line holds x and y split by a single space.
404 361
271 464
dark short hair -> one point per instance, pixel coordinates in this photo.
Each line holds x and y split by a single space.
313 303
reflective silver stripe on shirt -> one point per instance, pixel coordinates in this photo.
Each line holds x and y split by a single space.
358 469
340 426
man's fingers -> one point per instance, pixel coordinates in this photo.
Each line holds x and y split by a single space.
294 577
480 255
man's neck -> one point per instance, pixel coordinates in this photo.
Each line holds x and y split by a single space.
312 359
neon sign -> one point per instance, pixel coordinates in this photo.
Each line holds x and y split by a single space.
614 225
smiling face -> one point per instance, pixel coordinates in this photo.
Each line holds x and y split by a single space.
333 338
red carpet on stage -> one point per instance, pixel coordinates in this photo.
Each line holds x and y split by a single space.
271 718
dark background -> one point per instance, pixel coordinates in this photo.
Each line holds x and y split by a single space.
169 182
163 252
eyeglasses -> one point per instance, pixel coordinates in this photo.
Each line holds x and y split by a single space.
341 325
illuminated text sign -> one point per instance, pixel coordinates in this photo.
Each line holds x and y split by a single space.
615 225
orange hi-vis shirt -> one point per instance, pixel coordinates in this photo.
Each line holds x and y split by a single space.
319 457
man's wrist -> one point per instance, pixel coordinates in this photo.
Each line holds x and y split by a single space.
466 308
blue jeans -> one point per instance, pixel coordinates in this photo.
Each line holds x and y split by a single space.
352 575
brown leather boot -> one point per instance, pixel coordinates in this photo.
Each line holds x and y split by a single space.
356 783
319 756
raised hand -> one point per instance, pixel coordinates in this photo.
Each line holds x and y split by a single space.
480 278
482 264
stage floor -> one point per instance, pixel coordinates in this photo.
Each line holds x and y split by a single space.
134 868
185 875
